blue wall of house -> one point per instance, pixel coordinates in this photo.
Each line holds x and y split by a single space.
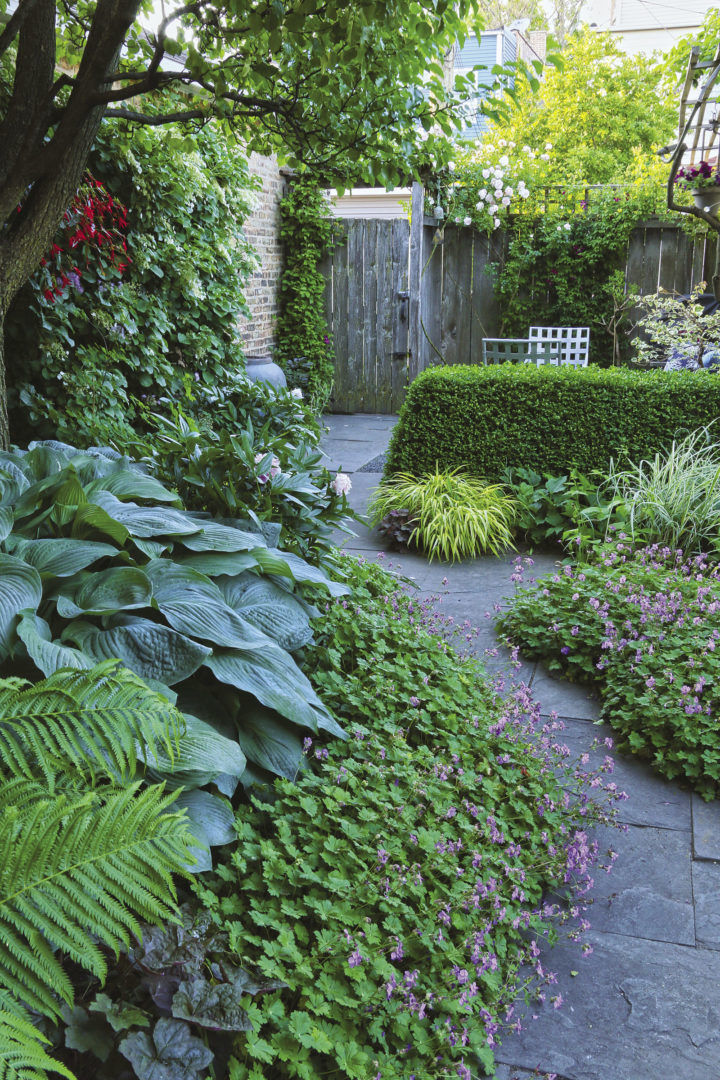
483 50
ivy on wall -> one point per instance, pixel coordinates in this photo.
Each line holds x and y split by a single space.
304 347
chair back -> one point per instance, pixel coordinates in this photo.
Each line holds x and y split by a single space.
517 351
570 343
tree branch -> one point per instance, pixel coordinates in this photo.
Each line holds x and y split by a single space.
156 121
15 23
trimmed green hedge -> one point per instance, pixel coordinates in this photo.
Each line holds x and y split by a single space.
546 418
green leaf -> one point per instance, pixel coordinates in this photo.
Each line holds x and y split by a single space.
128 483
194 605
267 741
118 589
221 562
119 1015
63 557
149 649
213 814
273 677
7 519
202 755
274 561
216 1007
216 537
171 1053
91 518
48 655
87 1033
273 610
20 588
146 521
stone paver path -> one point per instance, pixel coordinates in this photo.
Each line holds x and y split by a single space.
645 1005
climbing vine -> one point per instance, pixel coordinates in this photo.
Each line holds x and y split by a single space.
304 346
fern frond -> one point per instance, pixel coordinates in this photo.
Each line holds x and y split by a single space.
76 868
94 720
22 1049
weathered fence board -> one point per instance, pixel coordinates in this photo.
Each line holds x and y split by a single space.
370 301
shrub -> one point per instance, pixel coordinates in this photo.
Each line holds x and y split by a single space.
99 560
548 419
456 516
87 852
643 623
559 508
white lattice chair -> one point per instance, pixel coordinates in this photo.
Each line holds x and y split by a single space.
571 343
517 351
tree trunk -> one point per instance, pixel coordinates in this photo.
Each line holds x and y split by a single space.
4 425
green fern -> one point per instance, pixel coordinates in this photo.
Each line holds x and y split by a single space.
22 1047
86 852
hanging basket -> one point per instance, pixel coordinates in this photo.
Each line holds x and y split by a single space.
707 199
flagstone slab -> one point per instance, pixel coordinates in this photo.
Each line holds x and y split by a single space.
635 1010
706 892
706 828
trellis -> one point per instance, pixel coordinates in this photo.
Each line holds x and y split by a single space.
698 136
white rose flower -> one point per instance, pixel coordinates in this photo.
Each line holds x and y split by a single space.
297 393
451 167
524 194
526 150
505 160
467 221
602 92
508 190
496 223
567 226
544 157
548 146
486 174
492 209
502 142
506 201
482 193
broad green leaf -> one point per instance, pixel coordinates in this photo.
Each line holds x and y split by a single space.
274 561
105 593
20 588
7 519
212 813
93 519
171 1053
215 1006
271 676
194 605
269 742
276 612
202 755
128 483
147 521
48 655
149 649
62 557
13 482
152 549
216 537
213 563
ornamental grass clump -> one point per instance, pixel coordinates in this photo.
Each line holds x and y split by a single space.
674 498
455 515
645 624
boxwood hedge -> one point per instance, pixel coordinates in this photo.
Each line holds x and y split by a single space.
547 418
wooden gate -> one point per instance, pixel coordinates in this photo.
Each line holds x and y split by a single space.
397 303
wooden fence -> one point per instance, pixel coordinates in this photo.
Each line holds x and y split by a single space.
396 306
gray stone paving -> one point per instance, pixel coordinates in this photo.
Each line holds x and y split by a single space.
645 1005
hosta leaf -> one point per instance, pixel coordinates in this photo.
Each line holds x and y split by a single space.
48 655
271 676
147 521
215 537
147 648
213 563
267 532
13 482
127 483
214 815
118 589
276 612
20 588
93 519
274 561
171 1053
62 557
194 605
212 1006
269 742
7 519
152 549
202 755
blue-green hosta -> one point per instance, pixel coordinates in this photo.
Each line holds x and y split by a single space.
99 560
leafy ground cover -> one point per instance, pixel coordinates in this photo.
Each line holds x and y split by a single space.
642 622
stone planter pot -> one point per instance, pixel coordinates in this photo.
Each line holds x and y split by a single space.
264 369
707 199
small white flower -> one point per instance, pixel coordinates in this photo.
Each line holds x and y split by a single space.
544 157
486 173
451 167
508 190
567 226
493 209
297 393
506 201
496 223
505 160
467 221
490 148
341 484
526 150
502 142
548 146
524 194
602 92
482 193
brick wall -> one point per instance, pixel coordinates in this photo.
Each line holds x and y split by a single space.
262 229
